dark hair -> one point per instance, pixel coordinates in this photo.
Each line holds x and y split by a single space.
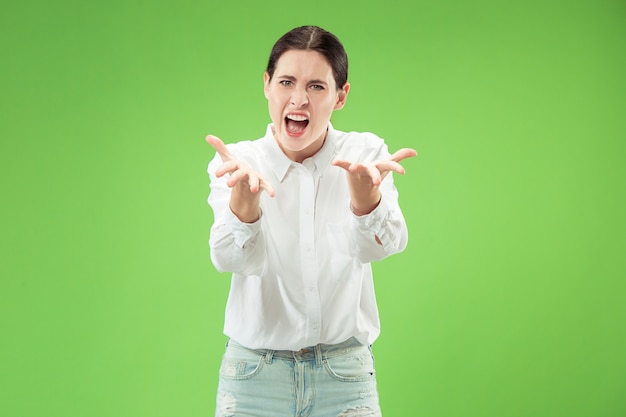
313 38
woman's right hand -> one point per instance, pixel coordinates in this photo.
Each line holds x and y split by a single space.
246 183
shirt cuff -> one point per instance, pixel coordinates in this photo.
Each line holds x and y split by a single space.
242 232
374 224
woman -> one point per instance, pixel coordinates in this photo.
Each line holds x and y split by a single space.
299 216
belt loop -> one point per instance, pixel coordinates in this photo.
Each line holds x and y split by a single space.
318 354
269 355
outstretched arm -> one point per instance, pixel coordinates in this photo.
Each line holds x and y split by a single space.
385 233
236 239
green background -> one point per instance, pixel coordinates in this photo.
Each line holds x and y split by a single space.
510 298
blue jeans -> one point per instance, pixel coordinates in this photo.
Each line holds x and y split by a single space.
319 381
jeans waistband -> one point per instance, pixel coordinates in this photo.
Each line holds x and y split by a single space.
317 353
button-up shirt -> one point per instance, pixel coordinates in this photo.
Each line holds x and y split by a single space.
301 274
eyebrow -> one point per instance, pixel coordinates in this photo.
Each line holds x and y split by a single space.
292 78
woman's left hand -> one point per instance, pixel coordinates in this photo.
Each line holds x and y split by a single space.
364 179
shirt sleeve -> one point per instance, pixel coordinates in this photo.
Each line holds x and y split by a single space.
386 222
235 246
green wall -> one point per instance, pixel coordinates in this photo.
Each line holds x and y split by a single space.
510 298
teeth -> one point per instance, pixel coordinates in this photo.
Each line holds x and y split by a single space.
297 117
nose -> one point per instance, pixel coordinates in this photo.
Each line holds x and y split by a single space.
299 97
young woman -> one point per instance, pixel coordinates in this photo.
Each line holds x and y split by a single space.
299 216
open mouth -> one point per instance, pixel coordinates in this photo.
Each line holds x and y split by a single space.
296 123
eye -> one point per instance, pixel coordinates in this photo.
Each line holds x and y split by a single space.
286 83
317 87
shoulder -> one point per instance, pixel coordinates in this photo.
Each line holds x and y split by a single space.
361 146
245 148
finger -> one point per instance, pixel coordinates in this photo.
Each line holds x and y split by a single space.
342 164
253 182
267 187
237 177
227 167
374 174
363 171
219 147
403 153
389 165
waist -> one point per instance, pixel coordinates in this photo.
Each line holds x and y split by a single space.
317 352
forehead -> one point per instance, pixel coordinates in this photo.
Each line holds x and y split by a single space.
304 64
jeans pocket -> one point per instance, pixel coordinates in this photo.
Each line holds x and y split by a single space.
355 366
239 364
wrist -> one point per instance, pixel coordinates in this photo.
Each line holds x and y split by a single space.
362 208
247 210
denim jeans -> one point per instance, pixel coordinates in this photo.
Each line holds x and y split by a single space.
319 381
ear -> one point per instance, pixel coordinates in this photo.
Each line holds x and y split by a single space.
342 96
266 83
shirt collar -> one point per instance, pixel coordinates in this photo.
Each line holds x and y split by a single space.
280 163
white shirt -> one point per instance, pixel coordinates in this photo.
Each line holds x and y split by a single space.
301 274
